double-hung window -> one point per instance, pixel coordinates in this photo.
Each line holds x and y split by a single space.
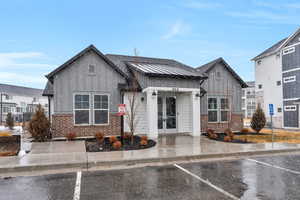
218 109
82 109
91 109
101 109
212 109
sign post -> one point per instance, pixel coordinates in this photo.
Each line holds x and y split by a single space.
271 112
121 113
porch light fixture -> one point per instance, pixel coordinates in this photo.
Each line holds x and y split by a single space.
154 93
142 99
197 95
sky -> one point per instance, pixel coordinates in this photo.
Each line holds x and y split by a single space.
38 36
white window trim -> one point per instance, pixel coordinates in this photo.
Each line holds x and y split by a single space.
290 108
288 50
219 109
108 108
82 93
209 109
289 79
228 110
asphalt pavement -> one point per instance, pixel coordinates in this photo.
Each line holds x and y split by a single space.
269 177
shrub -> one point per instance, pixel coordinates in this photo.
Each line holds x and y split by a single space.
127 135
229 133
70 136
99 137
227 139
113 139
258 120
144 138
211 134
10 122
39 125
5 134
245 130
143 142
117 145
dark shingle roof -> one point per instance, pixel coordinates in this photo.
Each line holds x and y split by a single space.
270 50
153 66
20 91
208 66
48 91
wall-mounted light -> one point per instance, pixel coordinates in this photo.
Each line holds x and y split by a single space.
197 95
154 93
142 99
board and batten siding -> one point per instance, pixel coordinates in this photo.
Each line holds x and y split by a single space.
184 112
76 78
224 85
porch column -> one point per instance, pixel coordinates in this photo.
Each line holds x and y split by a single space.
152 113
195 101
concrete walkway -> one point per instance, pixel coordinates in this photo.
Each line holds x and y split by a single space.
72 155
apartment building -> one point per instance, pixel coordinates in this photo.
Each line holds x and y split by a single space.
277 76
20 101
248 100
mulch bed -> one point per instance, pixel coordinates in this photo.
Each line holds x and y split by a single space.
9 145
93 146
221 136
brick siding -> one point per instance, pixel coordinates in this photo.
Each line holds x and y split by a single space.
236 124
63 124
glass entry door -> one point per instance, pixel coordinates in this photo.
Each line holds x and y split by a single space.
167 114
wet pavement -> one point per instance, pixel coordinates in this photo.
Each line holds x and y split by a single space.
268 177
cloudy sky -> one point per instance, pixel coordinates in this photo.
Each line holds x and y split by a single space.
37 36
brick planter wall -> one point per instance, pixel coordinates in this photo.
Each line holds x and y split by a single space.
63 124
236 124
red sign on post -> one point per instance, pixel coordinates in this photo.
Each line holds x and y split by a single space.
121 109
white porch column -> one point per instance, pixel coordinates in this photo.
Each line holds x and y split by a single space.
152 114
195 101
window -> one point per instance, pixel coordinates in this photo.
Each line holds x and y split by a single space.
290 108
212 110
101 109
289 79
91 69
82 109
258 62
260 86
279 110
288 50
278 83
224 109
218 109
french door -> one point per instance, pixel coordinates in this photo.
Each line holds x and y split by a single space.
167 114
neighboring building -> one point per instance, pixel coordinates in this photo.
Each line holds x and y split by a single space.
248 100
20 101
221 106
276 71
85 91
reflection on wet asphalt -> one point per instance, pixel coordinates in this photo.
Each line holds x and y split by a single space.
242 178
49 187
248 180
168 183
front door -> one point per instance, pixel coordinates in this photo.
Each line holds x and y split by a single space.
167 119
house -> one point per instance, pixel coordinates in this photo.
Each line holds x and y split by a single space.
20 101
221 106
276 71
248 100
84 94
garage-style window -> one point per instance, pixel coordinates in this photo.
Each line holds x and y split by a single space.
82 109
101 109
212 109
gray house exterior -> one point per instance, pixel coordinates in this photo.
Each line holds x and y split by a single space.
221 105
85 92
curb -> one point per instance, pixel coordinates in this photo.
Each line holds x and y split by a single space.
85 166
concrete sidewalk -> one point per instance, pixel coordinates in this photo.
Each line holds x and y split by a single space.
73 156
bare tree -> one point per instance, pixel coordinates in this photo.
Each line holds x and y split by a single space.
131 116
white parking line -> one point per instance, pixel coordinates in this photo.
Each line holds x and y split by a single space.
207 182
274 166
77 187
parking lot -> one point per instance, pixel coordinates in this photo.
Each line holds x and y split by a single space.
269 177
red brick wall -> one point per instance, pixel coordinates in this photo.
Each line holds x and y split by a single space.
236 124
63 124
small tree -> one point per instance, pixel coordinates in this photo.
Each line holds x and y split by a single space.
258 120
10 123
39 125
